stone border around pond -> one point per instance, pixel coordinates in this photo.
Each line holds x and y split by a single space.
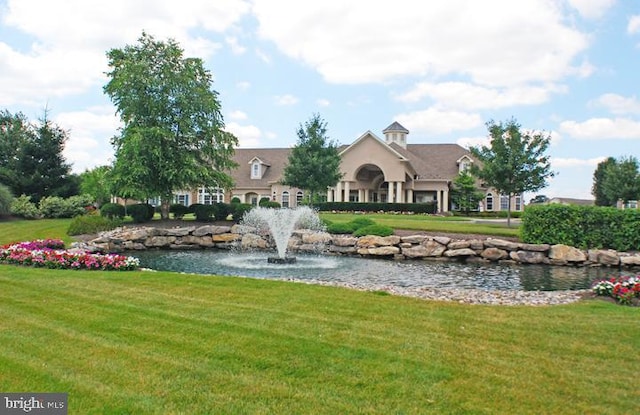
417 247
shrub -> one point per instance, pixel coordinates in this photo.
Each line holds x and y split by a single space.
263 200
341 228
178 210
141 212
239 209
379 230
203 213
361 222
112 210
23 207
269 204
91 224
57 207
5 200
235 200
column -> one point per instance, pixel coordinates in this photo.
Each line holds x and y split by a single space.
439 200
338 194
329 194
390 189
409 195
366 195
346 191
445 201
399 193
361 193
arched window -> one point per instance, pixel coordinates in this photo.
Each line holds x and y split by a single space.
299 197
489 201
255 170
285 199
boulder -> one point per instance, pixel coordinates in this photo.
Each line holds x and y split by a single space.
344 240
159 241
380 250
494 254
607 257
374 241
225 237
502 244
630 260
528 257
316 237
415 251
180 231
535 247
434 248
564 253
442 240
253 241
414 239
458 245
464 252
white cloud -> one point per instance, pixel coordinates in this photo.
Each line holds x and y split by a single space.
286 99
559 162
495 43
460 95
69 39
634 24
602 128
435 121
618 104
90 132
592 9
243 85
235 46
238 115
248 135
323 102
468 142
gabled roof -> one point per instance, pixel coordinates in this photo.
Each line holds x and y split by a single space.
274 161
368 134
395 127
436 161
259 161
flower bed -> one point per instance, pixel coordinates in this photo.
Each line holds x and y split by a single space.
625 290
50 253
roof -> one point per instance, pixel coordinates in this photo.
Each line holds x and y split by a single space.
395 126
274 160
434 161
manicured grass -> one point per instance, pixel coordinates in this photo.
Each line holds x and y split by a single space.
451 224
142 342
28 230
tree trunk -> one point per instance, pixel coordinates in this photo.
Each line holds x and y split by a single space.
164 208
509 211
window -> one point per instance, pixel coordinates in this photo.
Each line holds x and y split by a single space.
285 199
504 202
464 165
206 198
182 199
489 201
254 200
299 197
518 202
255 170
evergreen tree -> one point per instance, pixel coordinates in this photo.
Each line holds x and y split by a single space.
314 162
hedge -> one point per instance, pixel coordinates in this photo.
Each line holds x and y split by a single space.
376 207
582 226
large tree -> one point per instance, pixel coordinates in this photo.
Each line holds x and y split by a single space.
173 135
514 162
96 183
597 189
31 159
465 193
620 180
314 162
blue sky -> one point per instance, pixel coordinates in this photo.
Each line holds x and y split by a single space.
441 68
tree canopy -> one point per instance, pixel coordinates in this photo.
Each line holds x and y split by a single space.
314 162
515 161
173 135
464 192
616 179
31 159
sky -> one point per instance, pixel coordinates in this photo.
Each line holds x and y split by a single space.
441 68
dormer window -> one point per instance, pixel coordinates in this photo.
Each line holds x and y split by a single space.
256 170
464 164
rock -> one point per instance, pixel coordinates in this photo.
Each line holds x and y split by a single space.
565 253
316 237
442 240
502 244
211 230
225 237
342 249
374 241
494 254
476 244
414 239
528 257
415 251
458 245
380 250
607 257
344 240
253 241
159 241
535 247
434 248
630 260
180 231
459 252
242 229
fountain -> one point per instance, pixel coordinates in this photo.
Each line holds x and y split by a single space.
281 223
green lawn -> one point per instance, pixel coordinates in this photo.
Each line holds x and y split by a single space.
166 343
448 224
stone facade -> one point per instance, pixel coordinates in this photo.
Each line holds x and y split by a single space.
415 247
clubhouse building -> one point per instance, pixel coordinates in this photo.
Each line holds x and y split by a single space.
374 170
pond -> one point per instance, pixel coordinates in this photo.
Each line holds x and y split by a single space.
376 272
